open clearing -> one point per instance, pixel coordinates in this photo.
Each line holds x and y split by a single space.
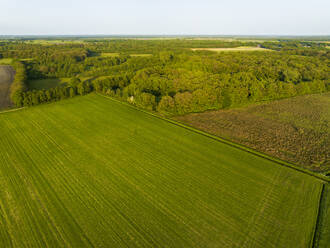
140 55
234 49
40 84
91 171
55 42
110 54
48 83
295 129
6 78
118 54
5 61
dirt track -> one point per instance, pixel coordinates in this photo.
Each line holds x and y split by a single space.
6 78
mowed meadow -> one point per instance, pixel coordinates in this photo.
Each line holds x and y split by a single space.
93 172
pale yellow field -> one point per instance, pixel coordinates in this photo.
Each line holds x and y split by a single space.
234 49
117 54
54 42
141 55
232 39
109 54
5 61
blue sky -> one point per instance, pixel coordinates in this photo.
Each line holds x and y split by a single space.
147 17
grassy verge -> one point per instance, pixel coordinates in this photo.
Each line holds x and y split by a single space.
322 230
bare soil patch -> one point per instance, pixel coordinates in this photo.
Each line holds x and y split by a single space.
6 78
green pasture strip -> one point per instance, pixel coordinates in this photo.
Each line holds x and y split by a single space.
40 84
93 172
234 49
228 142
110 54
6 61
322 232
141 55
11 110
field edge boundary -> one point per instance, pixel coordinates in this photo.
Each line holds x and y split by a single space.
317 219
321 217
11 110
227 142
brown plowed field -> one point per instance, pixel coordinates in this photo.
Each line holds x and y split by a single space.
6 78
296 129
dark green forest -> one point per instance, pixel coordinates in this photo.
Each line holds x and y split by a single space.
172 79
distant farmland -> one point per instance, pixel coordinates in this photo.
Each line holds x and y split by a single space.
234 49
6 78
118 54
90 171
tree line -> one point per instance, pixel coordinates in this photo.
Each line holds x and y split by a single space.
18 87
176 81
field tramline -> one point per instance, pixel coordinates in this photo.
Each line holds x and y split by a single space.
90 171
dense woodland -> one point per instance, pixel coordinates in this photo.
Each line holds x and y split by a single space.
172 79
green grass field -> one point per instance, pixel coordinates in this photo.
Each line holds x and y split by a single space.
322 237
6 61
48 83
109 54
93 172
141 55
118 54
